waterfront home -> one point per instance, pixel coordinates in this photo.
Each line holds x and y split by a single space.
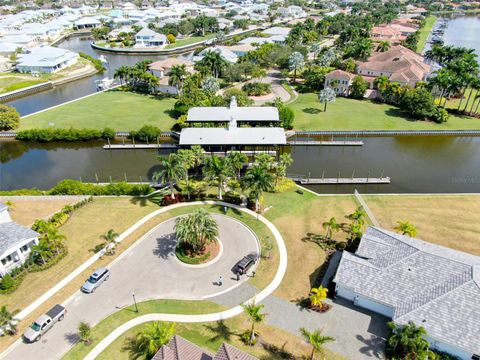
149 38
87 23
161 69
46 59
409 280
180 349
16 242
393 33
227 135
340 81
222 50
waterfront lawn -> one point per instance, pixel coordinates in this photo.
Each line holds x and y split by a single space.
189 40
122 111
425 31
350 114
10 81
448 220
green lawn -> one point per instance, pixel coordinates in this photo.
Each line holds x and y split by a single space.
122 111
425 31
189 40
349 114
106 326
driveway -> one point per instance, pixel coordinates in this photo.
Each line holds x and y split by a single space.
150 269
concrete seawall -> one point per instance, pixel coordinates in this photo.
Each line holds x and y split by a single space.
387 133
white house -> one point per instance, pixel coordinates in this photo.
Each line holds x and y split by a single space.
227 54
148 38
87 23
46 59
16 242
409 280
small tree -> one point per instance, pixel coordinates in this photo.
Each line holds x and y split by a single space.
85 332
358 88
405 228
210 85
9 118
255 316
171 170
149 340
257 180
327 95
171 39
296 62
196 230
8 324
408 342
317 340
318 296
110 241
330 226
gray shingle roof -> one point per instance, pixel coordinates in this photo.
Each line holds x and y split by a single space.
433 286
12 234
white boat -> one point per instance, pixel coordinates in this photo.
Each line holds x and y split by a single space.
103 59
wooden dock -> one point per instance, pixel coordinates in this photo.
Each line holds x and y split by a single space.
304 180
325 143
139 146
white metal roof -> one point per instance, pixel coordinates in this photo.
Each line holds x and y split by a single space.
233 136
246 113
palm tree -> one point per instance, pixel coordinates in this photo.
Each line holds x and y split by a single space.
330 226
148 341
187 159
236 160
171 171
317 340
255 316
405 228
408 342
122 73
358 216
8 323
314 49
54 239
257 180
177 76
217 169
198 156
296 62
318 295
196 229
43 250
280 169
11 205
383 46
110 242
214 61
327 95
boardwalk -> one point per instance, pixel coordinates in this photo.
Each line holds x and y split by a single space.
304 180
139 146
324 143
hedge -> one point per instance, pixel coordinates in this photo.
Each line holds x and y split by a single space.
46 135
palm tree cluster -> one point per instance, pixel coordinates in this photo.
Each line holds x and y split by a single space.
137 77
408 342
50 244
262 176
8 323
196 230
214 62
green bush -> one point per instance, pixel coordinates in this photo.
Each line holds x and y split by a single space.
108 133
287 116
7 282
146 133
257 89
47 135
75 187
9 118
33 191
96 63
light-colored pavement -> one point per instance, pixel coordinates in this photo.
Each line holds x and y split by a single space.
151 270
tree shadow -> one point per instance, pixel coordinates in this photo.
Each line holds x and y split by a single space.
374 346
165 246
276 352
395 112
221 330
311 110
226 209
140 200
72 338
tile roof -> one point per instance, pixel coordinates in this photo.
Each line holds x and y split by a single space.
169 63
340 74
228 352
420 281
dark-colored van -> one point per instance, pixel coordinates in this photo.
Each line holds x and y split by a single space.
245 264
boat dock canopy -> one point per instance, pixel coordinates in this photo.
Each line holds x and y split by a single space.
233 136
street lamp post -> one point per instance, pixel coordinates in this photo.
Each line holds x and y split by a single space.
135 302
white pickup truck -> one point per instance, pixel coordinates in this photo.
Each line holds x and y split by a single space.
44 323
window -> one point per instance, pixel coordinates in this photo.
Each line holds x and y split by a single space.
6 259
475 357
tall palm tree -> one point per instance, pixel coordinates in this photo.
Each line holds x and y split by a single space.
198 156
148 341
214 61
54 239
217 169
177 76
383 46
236 160
110 242
405 228
187 159
280 168
196 229
408 342
8 323
258 180
327 95
255 316
330 226
43 250
122 73
171 171
317 340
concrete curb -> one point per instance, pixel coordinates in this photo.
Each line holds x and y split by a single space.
282 250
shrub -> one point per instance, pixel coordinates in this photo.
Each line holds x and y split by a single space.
108 133
439 115
47 135
146 133
7 282
257 89
75 187
96 63
284 184
171 38
287 116
9 118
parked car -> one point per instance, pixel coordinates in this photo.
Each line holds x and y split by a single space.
44 323
95 280
245 264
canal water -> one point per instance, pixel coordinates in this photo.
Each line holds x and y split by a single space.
414 164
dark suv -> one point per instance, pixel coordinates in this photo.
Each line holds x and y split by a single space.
245 264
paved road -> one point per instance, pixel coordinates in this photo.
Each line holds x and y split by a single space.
151 270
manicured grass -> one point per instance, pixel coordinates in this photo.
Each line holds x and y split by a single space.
122 111
295 216
210 336
468 100
25 212
189 41
349 114
425 31
106 326
448 220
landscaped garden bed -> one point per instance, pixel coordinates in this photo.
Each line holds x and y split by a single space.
210 252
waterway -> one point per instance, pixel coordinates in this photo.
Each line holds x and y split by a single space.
414 164
79 88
